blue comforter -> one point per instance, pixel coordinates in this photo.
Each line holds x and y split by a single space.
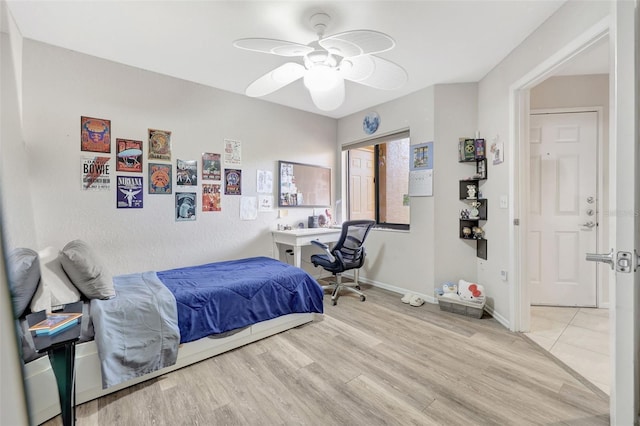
223 296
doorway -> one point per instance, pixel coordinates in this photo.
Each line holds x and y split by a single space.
563 220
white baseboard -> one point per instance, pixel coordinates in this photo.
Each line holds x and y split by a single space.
430 298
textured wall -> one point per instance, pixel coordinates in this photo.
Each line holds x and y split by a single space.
61 85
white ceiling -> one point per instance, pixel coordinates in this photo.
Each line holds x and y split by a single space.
437 42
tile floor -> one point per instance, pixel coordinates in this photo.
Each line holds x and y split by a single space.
579 337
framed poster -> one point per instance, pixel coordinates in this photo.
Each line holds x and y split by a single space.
159 145
211 169
95 173
95 134
128 155
185 206
159 178
211 197
187 172
233 182
129 193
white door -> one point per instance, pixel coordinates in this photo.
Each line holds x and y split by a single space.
361 184
562 208
623 215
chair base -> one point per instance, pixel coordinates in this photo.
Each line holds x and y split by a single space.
335 288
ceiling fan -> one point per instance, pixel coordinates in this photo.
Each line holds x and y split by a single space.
327 63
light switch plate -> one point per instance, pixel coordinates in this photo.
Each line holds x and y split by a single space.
504 202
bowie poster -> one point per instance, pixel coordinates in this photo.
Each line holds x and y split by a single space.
95 173
129 193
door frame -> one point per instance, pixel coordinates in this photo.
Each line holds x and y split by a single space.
602 275
519 170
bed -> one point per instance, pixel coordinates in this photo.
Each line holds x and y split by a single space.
215 307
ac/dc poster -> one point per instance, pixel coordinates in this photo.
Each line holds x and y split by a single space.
211 197
185 206
187 172
95 134
233 182
95 173
211 166
129 193
128 155
159 178
159 145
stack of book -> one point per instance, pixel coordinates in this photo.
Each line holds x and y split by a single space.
55 323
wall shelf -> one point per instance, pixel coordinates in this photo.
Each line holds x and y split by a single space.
476 210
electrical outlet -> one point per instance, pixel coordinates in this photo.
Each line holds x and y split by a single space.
503 275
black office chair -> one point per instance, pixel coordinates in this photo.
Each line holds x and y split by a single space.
348 253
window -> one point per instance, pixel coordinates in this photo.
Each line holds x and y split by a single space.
378 180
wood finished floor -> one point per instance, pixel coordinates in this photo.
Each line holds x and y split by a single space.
380 362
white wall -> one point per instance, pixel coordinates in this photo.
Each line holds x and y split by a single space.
60 86
571 20
575 92
430 252
12 402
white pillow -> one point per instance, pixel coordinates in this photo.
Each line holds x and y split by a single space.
41 300
55 280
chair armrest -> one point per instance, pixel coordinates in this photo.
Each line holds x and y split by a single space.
325 248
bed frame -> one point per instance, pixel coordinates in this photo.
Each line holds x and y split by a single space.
42 390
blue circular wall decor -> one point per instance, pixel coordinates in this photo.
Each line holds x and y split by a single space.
370 123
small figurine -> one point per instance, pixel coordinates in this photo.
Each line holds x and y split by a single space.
471 191
478 232
466 232
464 214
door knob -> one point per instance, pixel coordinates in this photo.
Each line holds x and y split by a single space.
589 224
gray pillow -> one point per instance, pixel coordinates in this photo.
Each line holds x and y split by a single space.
24 276
85 271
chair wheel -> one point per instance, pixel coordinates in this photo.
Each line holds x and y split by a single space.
362 298
358 287
334 302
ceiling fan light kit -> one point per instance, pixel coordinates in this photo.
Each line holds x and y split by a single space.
328 62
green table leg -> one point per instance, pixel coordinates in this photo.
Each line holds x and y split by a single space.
62 360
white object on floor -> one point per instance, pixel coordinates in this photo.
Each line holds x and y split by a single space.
406 298
416 301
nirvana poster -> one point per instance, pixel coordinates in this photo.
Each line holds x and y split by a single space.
128 155
159 145
211 167
95 134
211 197
233 182
95 173
129 193
185 206
159 178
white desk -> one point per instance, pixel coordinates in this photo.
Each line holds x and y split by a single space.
297 238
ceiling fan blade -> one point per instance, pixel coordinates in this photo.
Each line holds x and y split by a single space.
276 79
328 100
374 72
356 43
275 47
